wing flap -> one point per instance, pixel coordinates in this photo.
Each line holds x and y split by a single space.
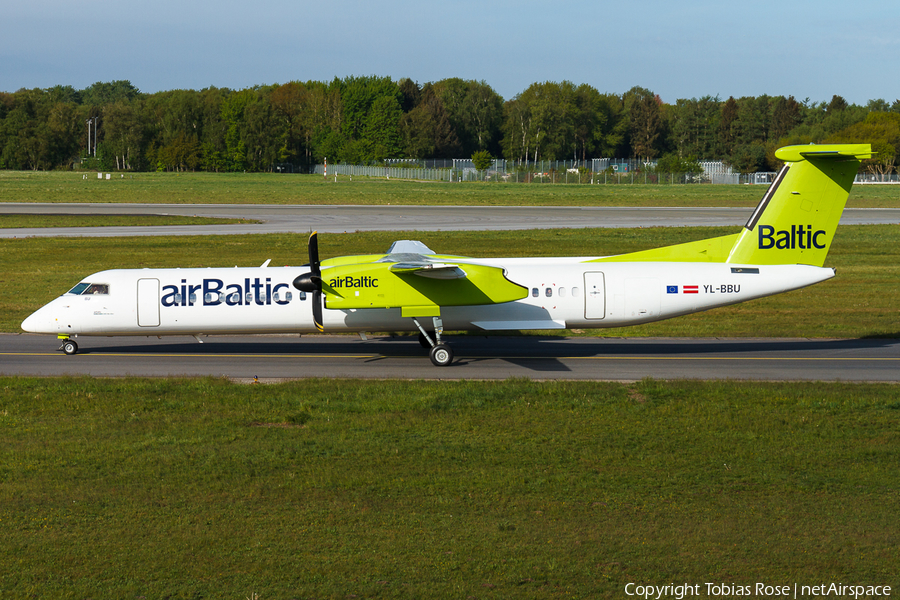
430 270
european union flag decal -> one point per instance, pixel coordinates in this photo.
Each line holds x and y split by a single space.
671 289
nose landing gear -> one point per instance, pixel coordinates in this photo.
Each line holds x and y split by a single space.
68 346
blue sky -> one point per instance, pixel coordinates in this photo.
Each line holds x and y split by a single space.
676 49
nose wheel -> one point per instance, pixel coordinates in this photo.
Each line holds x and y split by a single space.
69 347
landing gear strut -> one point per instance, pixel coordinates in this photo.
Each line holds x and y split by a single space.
440 353
424 341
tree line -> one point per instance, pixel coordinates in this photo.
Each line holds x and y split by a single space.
361 120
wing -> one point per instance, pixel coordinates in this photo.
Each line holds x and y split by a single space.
415 282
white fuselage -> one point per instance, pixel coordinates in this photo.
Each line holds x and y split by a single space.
562 293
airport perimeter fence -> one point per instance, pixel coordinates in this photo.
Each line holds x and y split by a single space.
596 171
540 175
501 171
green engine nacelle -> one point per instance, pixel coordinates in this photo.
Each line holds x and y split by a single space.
417 291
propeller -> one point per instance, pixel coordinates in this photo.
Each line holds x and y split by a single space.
312 281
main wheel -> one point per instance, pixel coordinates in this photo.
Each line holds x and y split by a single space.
441 355
69 347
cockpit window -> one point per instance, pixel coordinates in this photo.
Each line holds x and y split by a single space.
79 288
89 289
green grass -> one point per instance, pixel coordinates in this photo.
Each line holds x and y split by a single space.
859 302
251 188
23 221
317 489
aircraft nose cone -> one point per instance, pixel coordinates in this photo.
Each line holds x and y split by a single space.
39 322
29 323
32 323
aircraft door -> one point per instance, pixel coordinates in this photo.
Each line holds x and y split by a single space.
148 302
594 295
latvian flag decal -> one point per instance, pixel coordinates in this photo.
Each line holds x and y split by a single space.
685 289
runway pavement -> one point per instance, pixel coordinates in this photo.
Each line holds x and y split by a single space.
339 219
477 357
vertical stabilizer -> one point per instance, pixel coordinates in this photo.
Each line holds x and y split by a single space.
796 220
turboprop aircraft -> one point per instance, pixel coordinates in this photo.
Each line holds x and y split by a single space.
411 288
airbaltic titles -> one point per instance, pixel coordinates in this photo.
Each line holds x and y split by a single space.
252 291
354 282
234 294
790 240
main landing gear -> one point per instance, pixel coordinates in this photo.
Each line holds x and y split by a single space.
68 346
439 352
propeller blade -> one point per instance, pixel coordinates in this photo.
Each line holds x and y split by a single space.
313 246
317 310
312 281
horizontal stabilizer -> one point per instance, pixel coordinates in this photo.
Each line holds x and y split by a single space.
824 151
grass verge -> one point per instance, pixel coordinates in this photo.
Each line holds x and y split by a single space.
267 188
203 488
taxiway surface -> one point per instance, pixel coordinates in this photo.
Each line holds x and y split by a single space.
340 219
477 357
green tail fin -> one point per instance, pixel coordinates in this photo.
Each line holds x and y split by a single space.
796 220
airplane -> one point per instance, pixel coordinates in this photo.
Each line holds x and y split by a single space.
411 288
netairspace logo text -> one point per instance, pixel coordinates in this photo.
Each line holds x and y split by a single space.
728 590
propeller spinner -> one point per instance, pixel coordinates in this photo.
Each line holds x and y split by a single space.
312 281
